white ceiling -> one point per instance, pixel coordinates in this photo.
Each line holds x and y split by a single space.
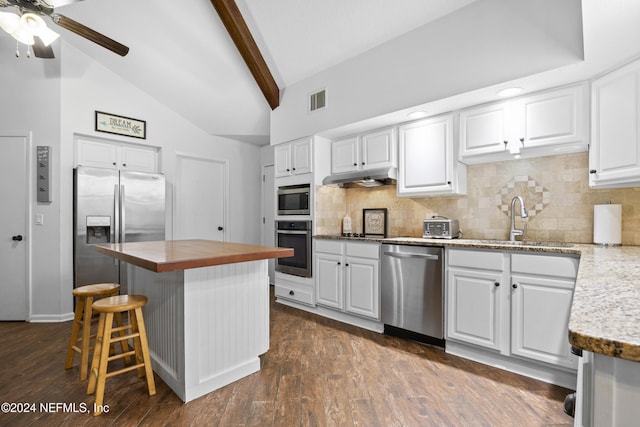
182 55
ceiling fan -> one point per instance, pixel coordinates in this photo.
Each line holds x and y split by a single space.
39 36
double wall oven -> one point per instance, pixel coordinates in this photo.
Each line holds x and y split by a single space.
293 229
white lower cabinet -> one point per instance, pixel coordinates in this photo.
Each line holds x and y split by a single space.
347 277
515 304
474 307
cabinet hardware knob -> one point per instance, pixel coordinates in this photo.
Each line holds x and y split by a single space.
505 143
362 163
294 168
522 141
448 182
496 284
291 293
339 263
288 170
220 228
593 171
355 164
124 164
17 238
346 265
514 286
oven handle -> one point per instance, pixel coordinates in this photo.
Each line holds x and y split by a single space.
291 232
406 255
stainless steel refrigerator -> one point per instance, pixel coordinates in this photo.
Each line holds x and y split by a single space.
111 206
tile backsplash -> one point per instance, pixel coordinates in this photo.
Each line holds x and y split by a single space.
555 190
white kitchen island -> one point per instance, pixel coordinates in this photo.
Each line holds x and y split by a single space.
207 317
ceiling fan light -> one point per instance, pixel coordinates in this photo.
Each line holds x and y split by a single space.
23 35
47 35
9 21
32 22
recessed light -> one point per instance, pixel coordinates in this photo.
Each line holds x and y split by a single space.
510 91
417 114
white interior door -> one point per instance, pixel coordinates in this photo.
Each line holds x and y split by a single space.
200 201
13 227
269 214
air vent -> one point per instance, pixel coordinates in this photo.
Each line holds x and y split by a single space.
318 100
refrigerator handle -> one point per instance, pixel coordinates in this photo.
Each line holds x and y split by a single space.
116 214
122 217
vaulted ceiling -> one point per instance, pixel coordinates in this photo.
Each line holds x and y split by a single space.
182 55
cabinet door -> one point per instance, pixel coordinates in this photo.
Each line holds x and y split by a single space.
362 287
474 307
553 118
345 155
426 157
140 159
282 160
483 130
614 156
301 157
378 149
540 310
97 154
329 280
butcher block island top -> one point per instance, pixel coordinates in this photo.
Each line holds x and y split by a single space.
171 255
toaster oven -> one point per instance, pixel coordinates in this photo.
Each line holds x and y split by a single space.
440 228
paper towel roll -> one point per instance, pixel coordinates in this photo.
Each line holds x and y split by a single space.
607 224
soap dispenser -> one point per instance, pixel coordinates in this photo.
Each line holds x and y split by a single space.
346 225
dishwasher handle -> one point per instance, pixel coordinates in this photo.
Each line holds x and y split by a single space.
427 257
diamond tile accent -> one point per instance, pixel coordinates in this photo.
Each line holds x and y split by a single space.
535 196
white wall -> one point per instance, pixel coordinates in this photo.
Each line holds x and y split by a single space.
485 43
36 99
30 103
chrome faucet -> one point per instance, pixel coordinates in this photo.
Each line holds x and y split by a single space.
513 232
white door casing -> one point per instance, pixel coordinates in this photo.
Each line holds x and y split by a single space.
14 214
269 214
200 198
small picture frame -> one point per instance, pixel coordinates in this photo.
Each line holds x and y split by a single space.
374 222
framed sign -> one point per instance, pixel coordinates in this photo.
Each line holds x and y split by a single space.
120 125
374 222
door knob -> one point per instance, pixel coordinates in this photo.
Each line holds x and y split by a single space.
17 238
220 228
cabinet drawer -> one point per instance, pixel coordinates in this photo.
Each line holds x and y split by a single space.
484 260
294 293
547 265
363 250
329 246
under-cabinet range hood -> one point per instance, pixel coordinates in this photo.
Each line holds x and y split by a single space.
368 178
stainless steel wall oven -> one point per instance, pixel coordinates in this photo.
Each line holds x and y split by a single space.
296 235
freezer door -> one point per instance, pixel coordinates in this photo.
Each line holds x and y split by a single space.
142 208
95 196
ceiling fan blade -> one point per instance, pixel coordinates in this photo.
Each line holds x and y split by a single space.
89 34
40 50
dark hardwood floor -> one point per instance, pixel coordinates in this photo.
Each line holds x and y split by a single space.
317 373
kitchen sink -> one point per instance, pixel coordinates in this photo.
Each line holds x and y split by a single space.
526 243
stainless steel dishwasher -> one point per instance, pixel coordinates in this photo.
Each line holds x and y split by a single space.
412 292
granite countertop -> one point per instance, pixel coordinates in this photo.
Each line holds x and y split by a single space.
171 255
605 312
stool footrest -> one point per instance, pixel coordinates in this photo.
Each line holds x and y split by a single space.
126 337
122 355
123 370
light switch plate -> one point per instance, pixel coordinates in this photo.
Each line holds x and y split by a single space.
39 219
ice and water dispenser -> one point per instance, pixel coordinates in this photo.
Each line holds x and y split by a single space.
98 229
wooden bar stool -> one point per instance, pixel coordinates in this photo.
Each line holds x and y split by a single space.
83 318
107 307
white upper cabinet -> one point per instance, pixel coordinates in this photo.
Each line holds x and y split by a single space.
372 150
111 155
614 156
427 164
293 158
543 124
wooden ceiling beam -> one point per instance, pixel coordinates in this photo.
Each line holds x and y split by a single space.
244 41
